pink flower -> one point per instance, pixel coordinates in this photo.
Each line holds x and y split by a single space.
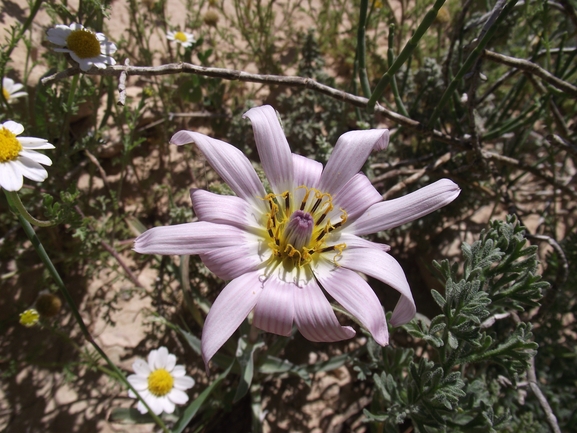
281 249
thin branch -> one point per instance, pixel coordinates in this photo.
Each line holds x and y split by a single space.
236 75
533 170
532 68
415 177
533 384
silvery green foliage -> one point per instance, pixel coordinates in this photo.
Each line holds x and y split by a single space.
472 356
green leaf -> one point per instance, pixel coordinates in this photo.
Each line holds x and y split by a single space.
245 358
193 407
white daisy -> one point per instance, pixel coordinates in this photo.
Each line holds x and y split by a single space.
160 382
11 90
18 157
183 38
84 46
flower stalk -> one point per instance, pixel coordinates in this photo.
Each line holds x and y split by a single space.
15 202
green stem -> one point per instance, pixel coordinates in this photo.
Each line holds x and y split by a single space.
470 61
69 103
14 201
404 55
50 266
391 59
361 49
13 42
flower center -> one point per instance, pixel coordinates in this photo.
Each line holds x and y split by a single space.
83 43
6 94
180 36
10 147
29 317
299 229
160 382
298 234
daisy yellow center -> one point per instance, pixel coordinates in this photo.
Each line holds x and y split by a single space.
6 94
298 231
10 147
180 36
29 318
83 43
160 382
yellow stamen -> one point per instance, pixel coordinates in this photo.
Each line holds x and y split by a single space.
297 231
5 93
10 147
160 382
83 43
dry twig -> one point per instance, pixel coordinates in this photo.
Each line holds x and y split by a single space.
532 68
236 75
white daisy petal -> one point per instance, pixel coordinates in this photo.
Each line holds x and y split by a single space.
33 143
14 127
152 359
140 383
161 357
39 158
141 367
155 404
166 404
140 406
177 396
185 382
170 362
178 371
10 179
31 169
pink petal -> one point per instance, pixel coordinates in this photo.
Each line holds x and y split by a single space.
224 209
230 308
191 238
315 317
393 213
306 171
229 263
229 162
356 296
353 241
355 197
380 265
274 311
349 155
273 147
